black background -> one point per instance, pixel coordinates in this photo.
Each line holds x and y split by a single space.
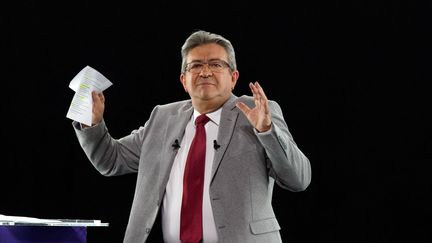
351 77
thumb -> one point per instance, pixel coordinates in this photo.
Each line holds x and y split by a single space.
244 108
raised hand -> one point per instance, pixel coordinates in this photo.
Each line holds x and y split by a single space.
98 107
259 116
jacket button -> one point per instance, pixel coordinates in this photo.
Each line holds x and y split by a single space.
148 230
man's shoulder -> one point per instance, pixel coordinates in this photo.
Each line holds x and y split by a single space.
249 101
175 106
245 98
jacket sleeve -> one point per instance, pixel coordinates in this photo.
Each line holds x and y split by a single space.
108 155
287 164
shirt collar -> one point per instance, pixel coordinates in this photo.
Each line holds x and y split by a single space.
214 116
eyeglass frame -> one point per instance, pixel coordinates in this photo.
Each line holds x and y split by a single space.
224 65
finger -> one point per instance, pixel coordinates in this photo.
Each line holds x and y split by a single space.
263 98
96 101
263 101
244 108
256 94
94 95
98 98
261 90
253 89
101 97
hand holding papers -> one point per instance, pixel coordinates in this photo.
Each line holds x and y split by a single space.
84 83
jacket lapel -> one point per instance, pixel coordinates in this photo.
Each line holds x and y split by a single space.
176 127
226 128
175 130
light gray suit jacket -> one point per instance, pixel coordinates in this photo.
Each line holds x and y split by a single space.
244 170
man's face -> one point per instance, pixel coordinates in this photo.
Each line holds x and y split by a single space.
207 85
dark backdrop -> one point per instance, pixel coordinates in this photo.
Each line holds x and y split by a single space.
351 77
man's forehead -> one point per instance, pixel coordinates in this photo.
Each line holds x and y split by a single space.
207 52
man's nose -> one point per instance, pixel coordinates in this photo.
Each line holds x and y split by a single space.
206 71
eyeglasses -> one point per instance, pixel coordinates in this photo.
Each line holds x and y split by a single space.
215 66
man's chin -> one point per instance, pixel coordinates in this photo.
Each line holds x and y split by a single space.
207 94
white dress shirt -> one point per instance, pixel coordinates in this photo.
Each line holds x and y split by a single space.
172 201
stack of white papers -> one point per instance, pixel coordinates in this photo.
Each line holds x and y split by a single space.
84 83
30 220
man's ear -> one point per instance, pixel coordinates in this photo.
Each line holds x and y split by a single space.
234 77
183 81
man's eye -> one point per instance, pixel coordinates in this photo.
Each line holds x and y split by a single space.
215 65
196 66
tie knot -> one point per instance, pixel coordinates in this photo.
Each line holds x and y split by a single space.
202 120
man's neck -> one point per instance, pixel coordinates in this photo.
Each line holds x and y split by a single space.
208 106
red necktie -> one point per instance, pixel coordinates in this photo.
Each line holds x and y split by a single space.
193 184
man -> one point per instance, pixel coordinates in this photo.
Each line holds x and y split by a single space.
245 147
